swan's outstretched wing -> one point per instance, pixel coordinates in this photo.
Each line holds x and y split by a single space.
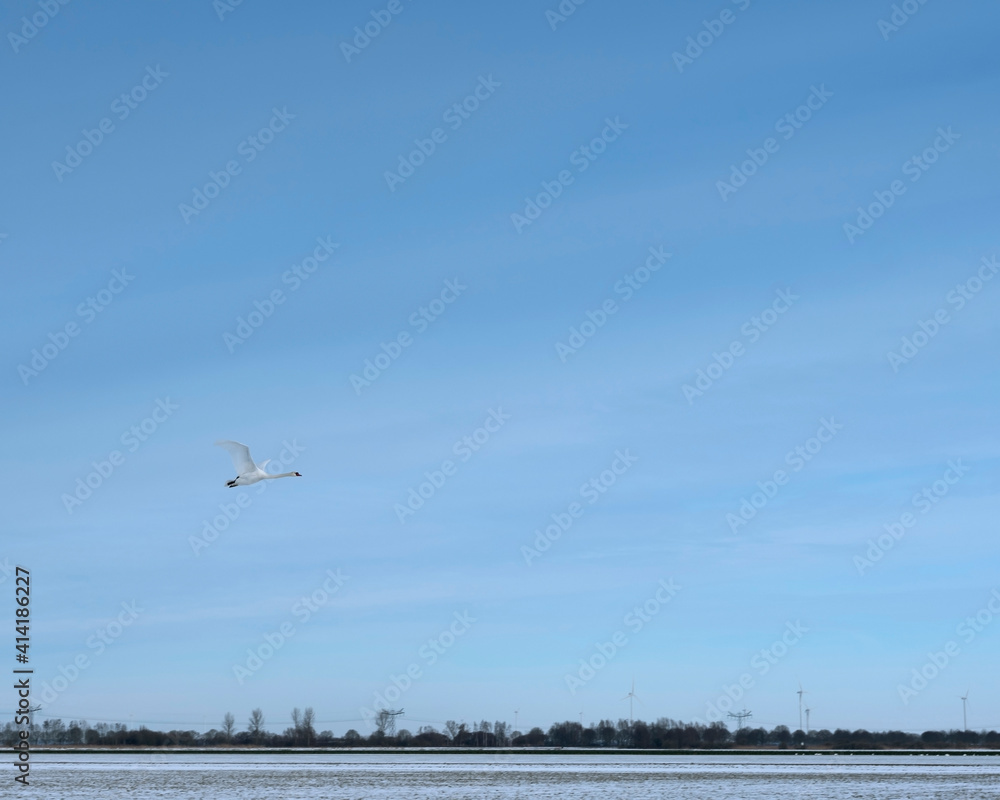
240 454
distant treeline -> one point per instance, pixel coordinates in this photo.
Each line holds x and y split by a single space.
665 734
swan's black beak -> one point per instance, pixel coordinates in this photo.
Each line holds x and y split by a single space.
297 474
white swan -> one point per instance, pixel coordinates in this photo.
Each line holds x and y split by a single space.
247 472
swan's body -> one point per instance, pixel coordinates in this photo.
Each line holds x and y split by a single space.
247 472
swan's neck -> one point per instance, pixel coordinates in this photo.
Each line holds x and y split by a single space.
282 475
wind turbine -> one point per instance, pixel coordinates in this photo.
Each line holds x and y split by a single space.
516 712
630 697
800 692
807 719
965 719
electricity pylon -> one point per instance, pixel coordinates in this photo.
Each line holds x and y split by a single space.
740 717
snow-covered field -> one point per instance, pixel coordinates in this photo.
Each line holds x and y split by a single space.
415 777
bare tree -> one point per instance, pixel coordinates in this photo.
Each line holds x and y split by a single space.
308 731
452 727
484 730
228 724
256 726
501 732
623 733
296 730
352 738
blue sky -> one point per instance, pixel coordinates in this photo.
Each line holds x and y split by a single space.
666 135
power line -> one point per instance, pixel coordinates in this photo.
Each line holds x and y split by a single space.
88 719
